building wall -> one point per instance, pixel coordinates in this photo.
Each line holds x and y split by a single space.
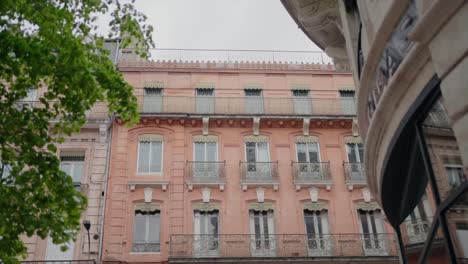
94 143
176 203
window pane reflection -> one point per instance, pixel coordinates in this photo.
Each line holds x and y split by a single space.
443 150
457 220
416 227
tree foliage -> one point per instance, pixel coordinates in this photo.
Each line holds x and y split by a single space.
52 44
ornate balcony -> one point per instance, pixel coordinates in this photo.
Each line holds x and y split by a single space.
259 174
354 174
416 230
205 174
245 106
311 174
366 247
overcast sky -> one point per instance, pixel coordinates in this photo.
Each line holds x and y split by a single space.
223 24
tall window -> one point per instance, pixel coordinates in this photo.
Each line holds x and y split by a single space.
146 230
72 164
257 157
308 158
372 229
302 102
28 100
318 242
253 101
54 251
153 100
206 232
355 152
262 232
418 222
454 175
205 101
206 157
150 154
348 104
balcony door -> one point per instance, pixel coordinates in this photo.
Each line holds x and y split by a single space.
152 100
308 158
205 240
253 101
205 156
302 102
258 160
355 153
319 241
372 229
348 104
262 238
205 101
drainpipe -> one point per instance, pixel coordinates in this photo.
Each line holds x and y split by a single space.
103 209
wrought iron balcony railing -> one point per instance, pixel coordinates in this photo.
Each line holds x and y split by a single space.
354 174
311 174
416 230
282 245
259 173
205 173
157 104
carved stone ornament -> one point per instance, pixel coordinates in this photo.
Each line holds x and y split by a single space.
261 206
366 195
260 194
319 206
148 194
206 193
367 206
314 192
150 138
205 138
206 207
147 207
256 139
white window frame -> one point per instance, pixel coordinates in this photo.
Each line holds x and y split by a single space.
356 152
453 166
263 252
205 151
256 151
72 164
147 223
162 160
308 157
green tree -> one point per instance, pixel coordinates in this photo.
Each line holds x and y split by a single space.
53 44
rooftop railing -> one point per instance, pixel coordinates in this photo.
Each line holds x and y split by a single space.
246 106
233 55
282 245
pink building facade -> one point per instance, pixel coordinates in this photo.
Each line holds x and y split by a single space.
230 161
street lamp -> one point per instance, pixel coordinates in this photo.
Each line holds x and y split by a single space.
87 226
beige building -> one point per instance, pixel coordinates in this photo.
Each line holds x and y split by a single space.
409 62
